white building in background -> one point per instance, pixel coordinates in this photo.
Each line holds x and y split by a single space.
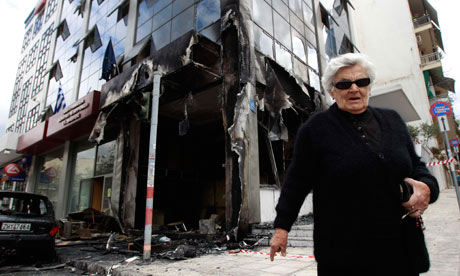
403 39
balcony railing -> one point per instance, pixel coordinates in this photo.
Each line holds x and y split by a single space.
431 58
422 20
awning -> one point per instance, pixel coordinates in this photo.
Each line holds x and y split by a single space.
35 141
393 97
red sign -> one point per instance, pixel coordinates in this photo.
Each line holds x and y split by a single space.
440 109
12 169
51 173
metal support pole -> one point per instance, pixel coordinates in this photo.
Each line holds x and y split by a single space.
451 164
151 167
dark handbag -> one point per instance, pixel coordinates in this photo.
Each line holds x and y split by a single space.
414 244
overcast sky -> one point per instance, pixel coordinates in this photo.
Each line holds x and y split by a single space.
14 13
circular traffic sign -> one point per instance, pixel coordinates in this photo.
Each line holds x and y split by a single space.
51 172
454 142
12 169
440 109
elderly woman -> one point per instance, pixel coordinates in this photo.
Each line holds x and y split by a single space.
355 157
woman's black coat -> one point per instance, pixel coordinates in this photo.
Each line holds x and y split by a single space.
356 194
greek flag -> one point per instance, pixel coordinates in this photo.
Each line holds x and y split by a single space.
60 103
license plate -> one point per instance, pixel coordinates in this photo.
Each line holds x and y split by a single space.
7 226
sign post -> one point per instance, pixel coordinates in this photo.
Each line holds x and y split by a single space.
442 110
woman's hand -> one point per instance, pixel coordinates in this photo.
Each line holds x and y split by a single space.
278 243
419 200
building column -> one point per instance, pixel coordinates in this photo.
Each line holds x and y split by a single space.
64 183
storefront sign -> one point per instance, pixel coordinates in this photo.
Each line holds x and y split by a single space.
77 119
72 113
12 169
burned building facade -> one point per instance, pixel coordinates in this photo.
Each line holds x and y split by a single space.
201 98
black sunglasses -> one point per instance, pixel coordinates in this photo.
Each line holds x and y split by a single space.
347 84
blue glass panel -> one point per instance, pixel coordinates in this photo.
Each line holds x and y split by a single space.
182 23
180 5
144 12
207 12
162 17
162 36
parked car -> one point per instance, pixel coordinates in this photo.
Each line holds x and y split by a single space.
27 225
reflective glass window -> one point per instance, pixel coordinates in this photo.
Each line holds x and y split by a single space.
308 17
296 7
144 30
281 7
297 23
312 57
182 23
207 12
84 168
283 57
180 5
262 15
310 35
282 30
263 42
162 36
144 12
160 4
161 17
50 175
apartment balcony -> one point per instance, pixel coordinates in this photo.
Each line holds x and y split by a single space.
431 61
428 32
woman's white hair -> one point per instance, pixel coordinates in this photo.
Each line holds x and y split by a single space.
346 60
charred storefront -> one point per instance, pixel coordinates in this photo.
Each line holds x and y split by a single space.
227 117
193 103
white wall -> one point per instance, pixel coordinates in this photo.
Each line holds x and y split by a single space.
383 30
268 200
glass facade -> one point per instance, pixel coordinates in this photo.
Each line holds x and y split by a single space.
65 50
50 176
285 31
167 20
108 27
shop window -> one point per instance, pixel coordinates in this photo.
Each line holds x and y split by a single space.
50 175
84 169
105 158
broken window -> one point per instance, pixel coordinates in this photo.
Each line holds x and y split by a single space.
314 80
80 7
63 30
308 17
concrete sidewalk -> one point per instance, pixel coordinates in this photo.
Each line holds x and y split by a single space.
442 235
442 221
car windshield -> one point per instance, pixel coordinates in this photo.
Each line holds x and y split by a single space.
13 204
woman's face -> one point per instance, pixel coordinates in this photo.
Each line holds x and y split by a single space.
354 99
